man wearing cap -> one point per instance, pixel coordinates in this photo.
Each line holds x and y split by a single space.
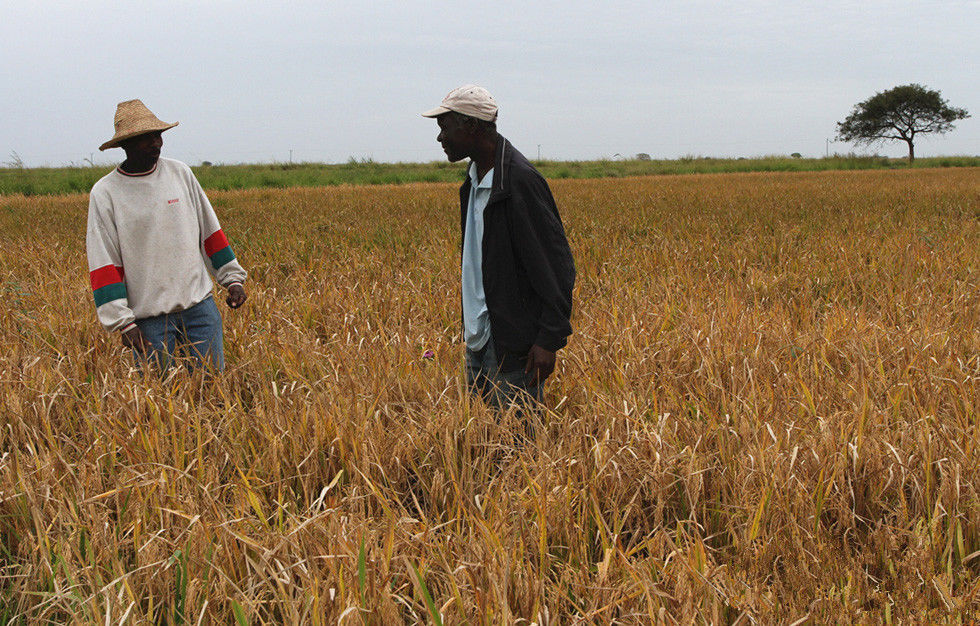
153 243
517 267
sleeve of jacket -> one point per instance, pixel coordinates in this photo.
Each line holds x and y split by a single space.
215 249
542 248
105 267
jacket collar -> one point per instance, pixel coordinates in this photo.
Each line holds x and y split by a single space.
501 170
502 160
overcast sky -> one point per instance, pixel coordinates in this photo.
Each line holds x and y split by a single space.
250 81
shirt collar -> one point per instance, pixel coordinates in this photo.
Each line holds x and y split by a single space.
487 181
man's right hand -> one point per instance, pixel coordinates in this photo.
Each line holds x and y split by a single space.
540 364
135 339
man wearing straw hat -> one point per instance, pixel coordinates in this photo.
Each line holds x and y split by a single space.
153 243
517 267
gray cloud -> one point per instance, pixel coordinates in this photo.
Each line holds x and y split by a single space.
250 81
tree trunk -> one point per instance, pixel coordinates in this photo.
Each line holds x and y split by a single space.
911 151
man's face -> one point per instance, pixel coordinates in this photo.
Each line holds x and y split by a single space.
145 147
456 138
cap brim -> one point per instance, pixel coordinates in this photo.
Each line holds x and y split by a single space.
436 112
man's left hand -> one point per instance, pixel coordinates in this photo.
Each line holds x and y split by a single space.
540 363
236 296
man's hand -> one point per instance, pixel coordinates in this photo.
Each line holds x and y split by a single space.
236 296
135 339
540 364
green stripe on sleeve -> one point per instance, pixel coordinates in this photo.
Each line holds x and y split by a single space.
222 257
115 291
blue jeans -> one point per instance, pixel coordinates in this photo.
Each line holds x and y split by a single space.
194 332
498 389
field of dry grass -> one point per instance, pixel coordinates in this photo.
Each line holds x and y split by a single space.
768 412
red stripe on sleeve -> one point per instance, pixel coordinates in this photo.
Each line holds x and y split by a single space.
217 241
106 275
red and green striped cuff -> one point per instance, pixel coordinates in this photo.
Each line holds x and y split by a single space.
107 284
218 250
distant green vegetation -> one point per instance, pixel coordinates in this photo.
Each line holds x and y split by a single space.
48 181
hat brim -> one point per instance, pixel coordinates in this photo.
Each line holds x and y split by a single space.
115 141
436 112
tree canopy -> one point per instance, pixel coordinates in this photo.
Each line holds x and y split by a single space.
899 114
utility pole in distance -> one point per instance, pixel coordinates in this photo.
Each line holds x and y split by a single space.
539 152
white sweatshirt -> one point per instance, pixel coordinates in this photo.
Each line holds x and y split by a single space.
153 244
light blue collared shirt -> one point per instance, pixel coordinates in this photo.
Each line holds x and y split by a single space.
476 317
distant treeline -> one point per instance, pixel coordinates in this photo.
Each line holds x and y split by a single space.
48 181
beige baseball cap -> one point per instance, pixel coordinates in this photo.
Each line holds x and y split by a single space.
470 100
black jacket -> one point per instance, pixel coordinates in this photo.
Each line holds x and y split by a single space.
528 271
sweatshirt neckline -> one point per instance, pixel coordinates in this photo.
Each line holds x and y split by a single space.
138 174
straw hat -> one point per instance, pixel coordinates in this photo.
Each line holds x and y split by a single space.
132 119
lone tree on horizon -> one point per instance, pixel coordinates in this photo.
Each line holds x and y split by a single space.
899 113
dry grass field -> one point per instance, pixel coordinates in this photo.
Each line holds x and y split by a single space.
767 413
